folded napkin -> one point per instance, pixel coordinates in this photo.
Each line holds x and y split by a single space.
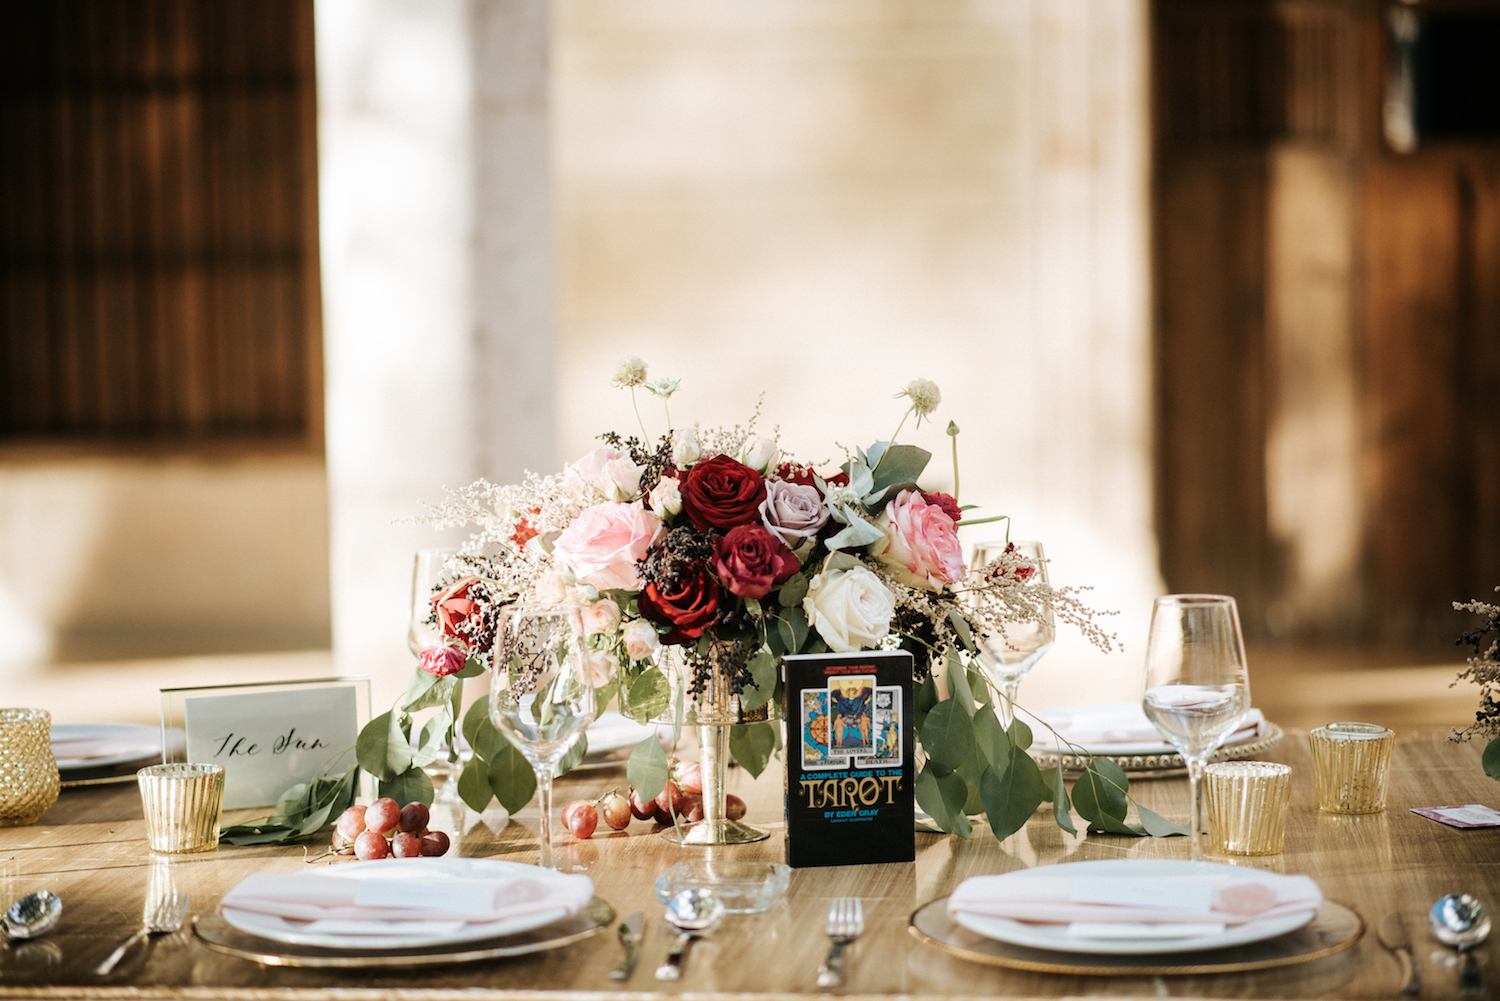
1122 723
91 748
343 902
1211 903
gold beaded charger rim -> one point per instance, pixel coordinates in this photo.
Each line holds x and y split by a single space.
1167 764
1336 928
216 933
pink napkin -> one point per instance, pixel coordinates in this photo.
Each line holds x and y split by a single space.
1207 900
316 896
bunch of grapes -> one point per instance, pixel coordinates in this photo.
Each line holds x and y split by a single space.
682 797
385 830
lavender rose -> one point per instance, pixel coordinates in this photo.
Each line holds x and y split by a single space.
794 512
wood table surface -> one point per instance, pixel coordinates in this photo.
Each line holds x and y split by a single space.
90 849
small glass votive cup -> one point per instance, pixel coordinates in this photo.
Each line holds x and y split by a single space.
1351 763
1247 804
29 781
182 803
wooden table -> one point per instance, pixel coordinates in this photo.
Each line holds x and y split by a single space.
90 850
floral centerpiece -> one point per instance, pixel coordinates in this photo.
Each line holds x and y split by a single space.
1483 669
705 548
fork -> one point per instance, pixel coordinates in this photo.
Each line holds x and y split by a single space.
846 920
164 917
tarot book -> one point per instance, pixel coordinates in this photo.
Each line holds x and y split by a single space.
849 772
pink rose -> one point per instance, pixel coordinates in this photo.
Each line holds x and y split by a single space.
603 544
641 640
587 470
597 667
602 618
921 543
442 660
794 512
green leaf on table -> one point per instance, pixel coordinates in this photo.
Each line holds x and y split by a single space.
650 696
257 834
411 786
1158 826
512 779
793 591
961 627
943 798
1053 779
1099 797
752 745
991 740
575 754
1490 760
762 681
1011 797
474 785
647 768
947 735
383 748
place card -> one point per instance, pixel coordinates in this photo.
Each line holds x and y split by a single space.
270 736
850 761
1469 816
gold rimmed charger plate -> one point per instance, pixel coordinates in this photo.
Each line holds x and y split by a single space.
216 933
1166 764
1335 929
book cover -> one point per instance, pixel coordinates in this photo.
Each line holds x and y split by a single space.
850 765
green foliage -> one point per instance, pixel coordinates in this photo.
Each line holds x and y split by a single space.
649 697
752 745
302 811
648 768
411 786
1491 759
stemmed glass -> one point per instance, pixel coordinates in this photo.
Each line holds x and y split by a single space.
1008 654
1196 687
540 699
429 573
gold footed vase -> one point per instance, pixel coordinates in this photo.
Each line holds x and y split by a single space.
715 710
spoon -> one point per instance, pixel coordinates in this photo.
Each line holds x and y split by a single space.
32 915
693 913
1460 921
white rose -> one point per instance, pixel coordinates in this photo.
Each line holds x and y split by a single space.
583 594
620 479
597 667
551 589
761 455
641 640
851 609
601 618
666 498
685 449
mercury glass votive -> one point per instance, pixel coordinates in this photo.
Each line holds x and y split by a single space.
1247 805
182 803
29 781
1351 763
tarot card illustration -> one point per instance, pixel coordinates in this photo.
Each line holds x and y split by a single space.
888 749
815 754
851 714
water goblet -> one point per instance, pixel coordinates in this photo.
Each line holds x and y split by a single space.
1015 647
1196 686
429 575
540 696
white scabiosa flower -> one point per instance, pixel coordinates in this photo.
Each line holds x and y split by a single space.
924 396
662 387
630 373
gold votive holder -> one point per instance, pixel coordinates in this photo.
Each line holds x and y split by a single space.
29 781
1351 764
1247 804
182 803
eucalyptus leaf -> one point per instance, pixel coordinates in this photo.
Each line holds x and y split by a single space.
411 786
990 738
480 710
512 778
972 772
925 698
1100 799
763 678
474 785
793 591
648 768
382 749
1011 797
575 754
650 696
488 742
473 668
427 695
898 464
958 683
943 798
258 834
430 738
796 619
947 735
752 745
1020 734
961 628
1490 760
842 561
1053 778
1158 826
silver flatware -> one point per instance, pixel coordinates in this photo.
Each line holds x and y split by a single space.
163 917
32 915
1462 922
1392 932
846 922
693 913
630 940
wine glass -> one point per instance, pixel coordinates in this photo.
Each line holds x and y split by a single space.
1196 687
1012 651
428 573
540 699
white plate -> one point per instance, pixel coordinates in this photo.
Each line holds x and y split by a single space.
128 742
403 934
1056 937
613 732
1060 717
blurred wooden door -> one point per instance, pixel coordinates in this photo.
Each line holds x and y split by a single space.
1327 335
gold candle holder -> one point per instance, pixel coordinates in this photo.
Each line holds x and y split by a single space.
29 782
182 803
1247 805
1351 763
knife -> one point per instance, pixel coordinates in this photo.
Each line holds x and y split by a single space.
630 940
1392 932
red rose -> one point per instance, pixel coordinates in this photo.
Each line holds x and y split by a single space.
795 472
946 504
689 606
442 660
722 493
454 607
750 561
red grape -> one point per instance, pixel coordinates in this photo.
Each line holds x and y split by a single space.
691 779
616 811
382 816
406 845
693 809
670 800
641 809
734 807
414 817
371 845
434 843
351 823
580 818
